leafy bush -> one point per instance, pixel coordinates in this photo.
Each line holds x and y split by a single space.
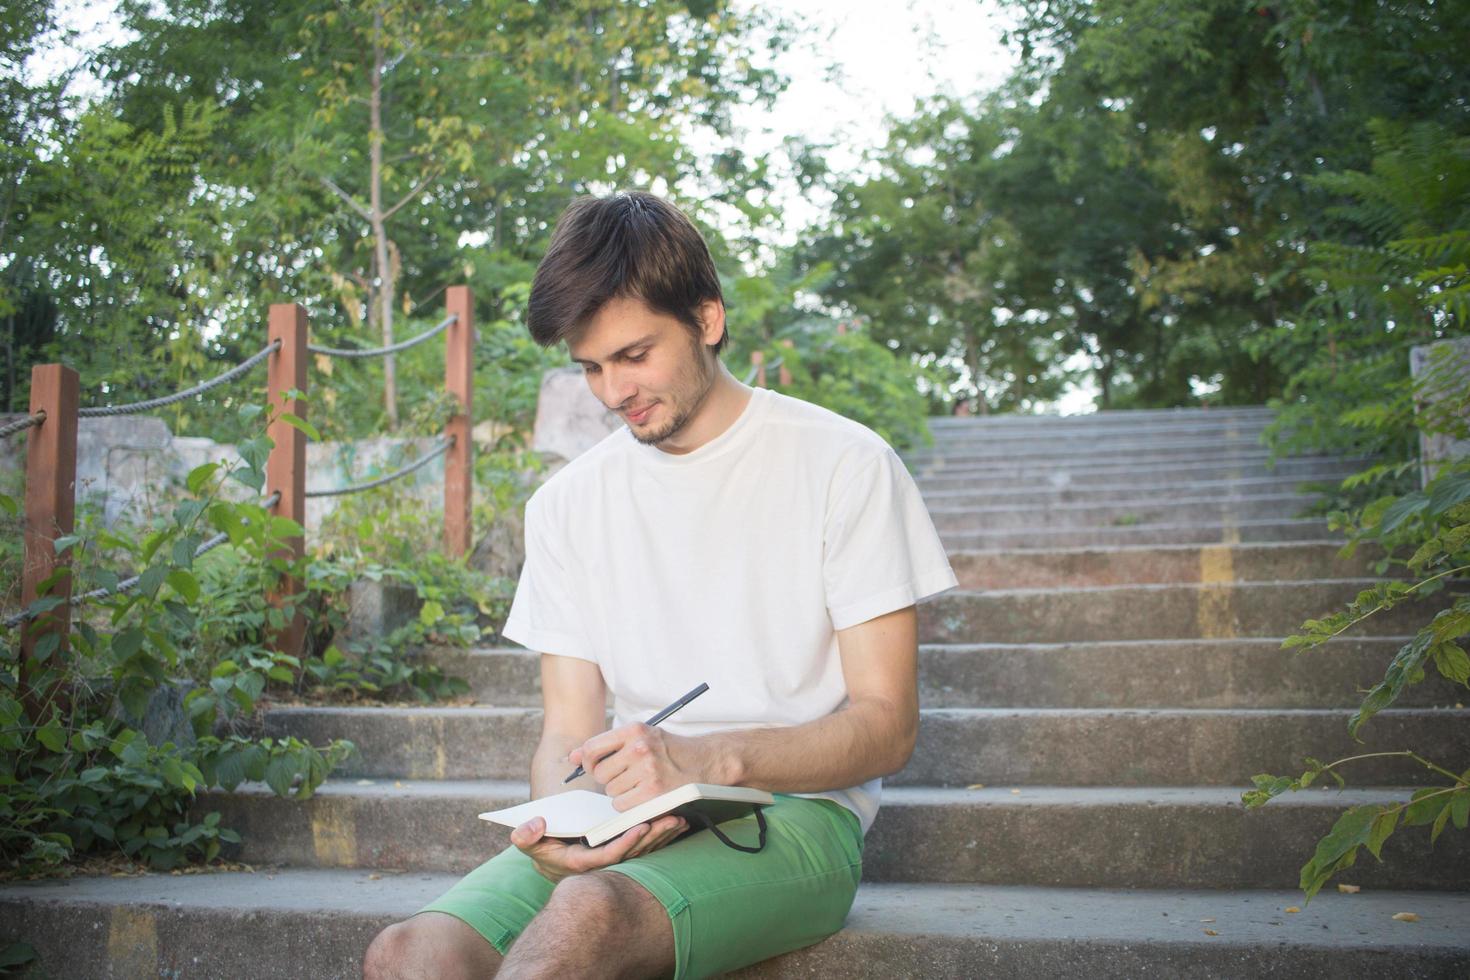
1402 281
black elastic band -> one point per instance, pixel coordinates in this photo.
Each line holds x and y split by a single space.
760 821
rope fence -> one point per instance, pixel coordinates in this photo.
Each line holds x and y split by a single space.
51 465
440 449
179 396
391 348
129 584
20 425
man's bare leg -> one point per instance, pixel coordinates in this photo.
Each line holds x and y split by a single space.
599 924
430 946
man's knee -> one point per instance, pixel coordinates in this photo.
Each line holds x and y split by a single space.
429 945
600 899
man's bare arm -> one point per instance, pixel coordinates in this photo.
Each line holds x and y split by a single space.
573 701
872 735
573 695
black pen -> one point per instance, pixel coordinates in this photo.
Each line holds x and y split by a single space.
579 771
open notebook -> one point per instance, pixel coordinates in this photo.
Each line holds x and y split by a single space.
590 817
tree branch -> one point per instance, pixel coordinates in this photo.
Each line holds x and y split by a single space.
428 179
364 212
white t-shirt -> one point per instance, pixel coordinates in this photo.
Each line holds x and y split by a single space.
733 564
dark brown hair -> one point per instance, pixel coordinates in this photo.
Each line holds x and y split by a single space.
631 244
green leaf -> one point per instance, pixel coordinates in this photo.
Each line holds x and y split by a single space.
430 613
296 422
1406 507
1447 492
16 954
1452 662
200 475
1439 822
278 774
64 542
185 584
1460 808
1383 826
52 736
127 643
151 579
1425 806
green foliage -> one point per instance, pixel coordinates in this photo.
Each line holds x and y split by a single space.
1397 279
853 376
78 772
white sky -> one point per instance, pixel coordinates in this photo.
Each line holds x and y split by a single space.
862 60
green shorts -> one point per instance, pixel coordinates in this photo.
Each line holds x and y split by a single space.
728 908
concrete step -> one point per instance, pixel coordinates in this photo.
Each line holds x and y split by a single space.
1246 673
1063 474
1135 535
1044 568
1086 493
286 925
1235 673
1131 837
957 746
1114 418
1156 612
1169 746
1085 449
957 519
1022 461
1246 432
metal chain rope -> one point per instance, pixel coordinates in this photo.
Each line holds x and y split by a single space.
417 464
20 425
179 396
755 369
390 349
128 584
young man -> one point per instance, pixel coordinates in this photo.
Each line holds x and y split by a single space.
738 537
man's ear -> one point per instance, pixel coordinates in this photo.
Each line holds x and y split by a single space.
712 316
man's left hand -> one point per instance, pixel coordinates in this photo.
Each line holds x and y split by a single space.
639 762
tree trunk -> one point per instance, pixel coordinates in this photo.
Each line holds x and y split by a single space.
380 234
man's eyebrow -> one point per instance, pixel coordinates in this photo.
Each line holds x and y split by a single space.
648 339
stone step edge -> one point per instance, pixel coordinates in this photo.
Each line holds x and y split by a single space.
936 930
491 711
1125 528
1240 641
497 790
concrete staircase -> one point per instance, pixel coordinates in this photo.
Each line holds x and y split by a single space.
1096 696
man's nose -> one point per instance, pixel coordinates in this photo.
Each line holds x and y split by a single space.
617 387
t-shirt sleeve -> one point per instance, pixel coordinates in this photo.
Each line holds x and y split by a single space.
544 615
880 549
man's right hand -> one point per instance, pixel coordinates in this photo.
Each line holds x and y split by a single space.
556 859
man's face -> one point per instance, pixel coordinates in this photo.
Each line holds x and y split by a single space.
646 366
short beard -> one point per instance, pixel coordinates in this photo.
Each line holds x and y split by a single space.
683 418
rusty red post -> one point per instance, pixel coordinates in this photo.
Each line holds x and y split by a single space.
459 381
285 468
758 360
783 375
51 487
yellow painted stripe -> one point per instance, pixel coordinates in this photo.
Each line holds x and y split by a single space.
132 942
1213 613
333 832
1216 564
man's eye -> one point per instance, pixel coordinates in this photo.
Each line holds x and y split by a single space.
640 357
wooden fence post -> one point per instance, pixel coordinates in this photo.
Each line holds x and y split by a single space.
758 359
459 381
285 469
783 375
51 488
